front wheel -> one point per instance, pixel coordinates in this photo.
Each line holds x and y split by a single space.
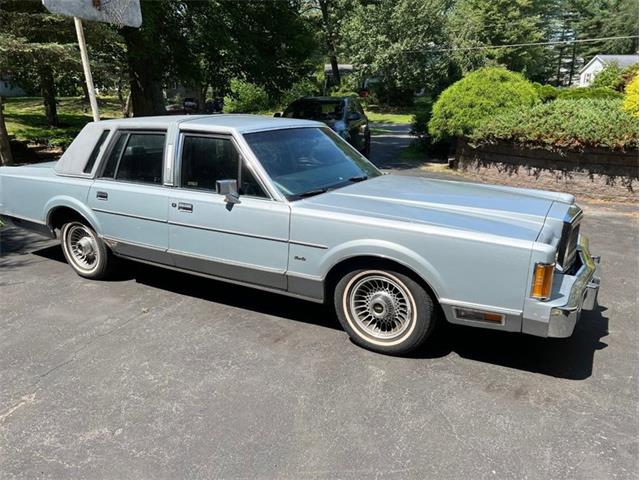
84 250
384 311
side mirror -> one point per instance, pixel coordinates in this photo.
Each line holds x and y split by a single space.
228 188
353 116
277 114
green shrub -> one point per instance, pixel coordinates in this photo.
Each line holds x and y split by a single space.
477 97
589 92
303 88
245 97
614 77
630 103
564 124
546 92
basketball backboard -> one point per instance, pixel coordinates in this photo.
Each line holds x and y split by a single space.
118 12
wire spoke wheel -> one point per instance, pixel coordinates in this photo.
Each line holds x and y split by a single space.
82 247
380 305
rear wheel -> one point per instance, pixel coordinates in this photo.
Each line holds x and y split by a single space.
85 252
384 310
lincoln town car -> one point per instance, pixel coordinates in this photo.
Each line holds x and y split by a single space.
288 206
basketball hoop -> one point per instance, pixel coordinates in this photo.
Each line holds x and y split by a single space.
116 10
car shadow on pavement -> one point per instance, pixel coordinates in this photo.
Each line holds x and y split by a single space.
571 358
213 291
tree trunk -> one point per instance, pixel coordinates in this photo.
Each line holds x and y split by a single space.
328 35
5 147
126 111
145 75
573 65
48 92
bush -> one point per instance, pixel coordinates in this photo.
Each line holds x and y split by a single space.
477 97
614 77
630 103
303 88
246 97
589 92
546 92
564 124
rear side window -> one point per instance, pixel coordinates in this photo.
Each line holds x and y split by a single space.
136 157
142 158
94 153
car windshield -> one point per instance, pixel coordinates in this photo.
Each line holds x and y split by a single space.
308 161
315 109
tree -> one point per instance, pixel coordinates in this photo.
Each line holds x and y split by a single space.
326 7
207 44
35 47
399 42
6 158
474 24
588 19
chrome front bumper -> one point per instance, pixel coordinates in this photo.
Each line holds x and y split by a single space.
582 296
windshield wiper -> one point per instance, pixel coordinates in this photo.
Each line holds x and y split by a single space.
311 193
358 179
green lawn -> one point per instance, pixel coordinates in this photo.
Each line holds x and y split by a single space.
26 120
404 116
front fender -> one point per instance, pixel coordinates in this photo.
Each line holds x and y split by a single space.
388 251
74 204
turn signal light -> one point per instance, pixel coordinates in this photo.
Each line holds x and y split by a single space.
542 281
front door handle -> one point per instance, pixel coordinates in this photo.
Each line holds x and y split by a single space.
102 195
185 207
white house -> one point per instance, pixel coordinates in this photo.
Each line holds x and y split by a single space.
597 63
8 89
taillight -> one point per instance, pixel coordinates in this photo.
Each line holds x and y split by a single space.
542 281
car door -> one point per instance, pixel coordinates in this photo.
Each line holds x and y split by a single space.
246 241
357 123
128 197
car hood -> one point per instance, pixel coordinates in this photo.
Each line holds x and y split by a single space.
491 209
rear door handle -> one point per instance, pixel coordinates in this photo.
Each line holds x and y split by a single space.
102 195
185 207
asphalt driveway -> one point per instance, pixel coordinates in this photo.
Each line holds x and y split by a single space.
162 375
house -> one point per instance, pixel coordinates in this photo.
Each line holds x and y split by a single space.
597 63
9 89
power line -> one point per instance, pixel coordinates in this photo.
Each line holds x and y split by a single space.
533 44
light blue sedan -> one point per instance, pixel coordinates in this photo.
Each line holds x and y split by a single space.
288 206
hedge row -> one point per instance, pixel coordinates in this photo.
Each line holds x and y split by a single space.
564 124
493 104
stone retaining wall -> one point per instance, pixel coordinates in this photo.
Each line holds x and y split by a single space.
596 173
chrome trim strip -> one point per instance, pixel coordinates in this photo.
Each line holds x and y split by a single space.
226 280
307 244
226 262
230 232
151 219
168 169
129 242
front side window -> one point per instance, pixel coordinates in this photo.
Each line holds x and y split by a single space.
306 161
206 160
136 157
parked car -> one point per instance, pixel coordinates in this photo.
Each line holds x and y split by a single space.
343 114
287 206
